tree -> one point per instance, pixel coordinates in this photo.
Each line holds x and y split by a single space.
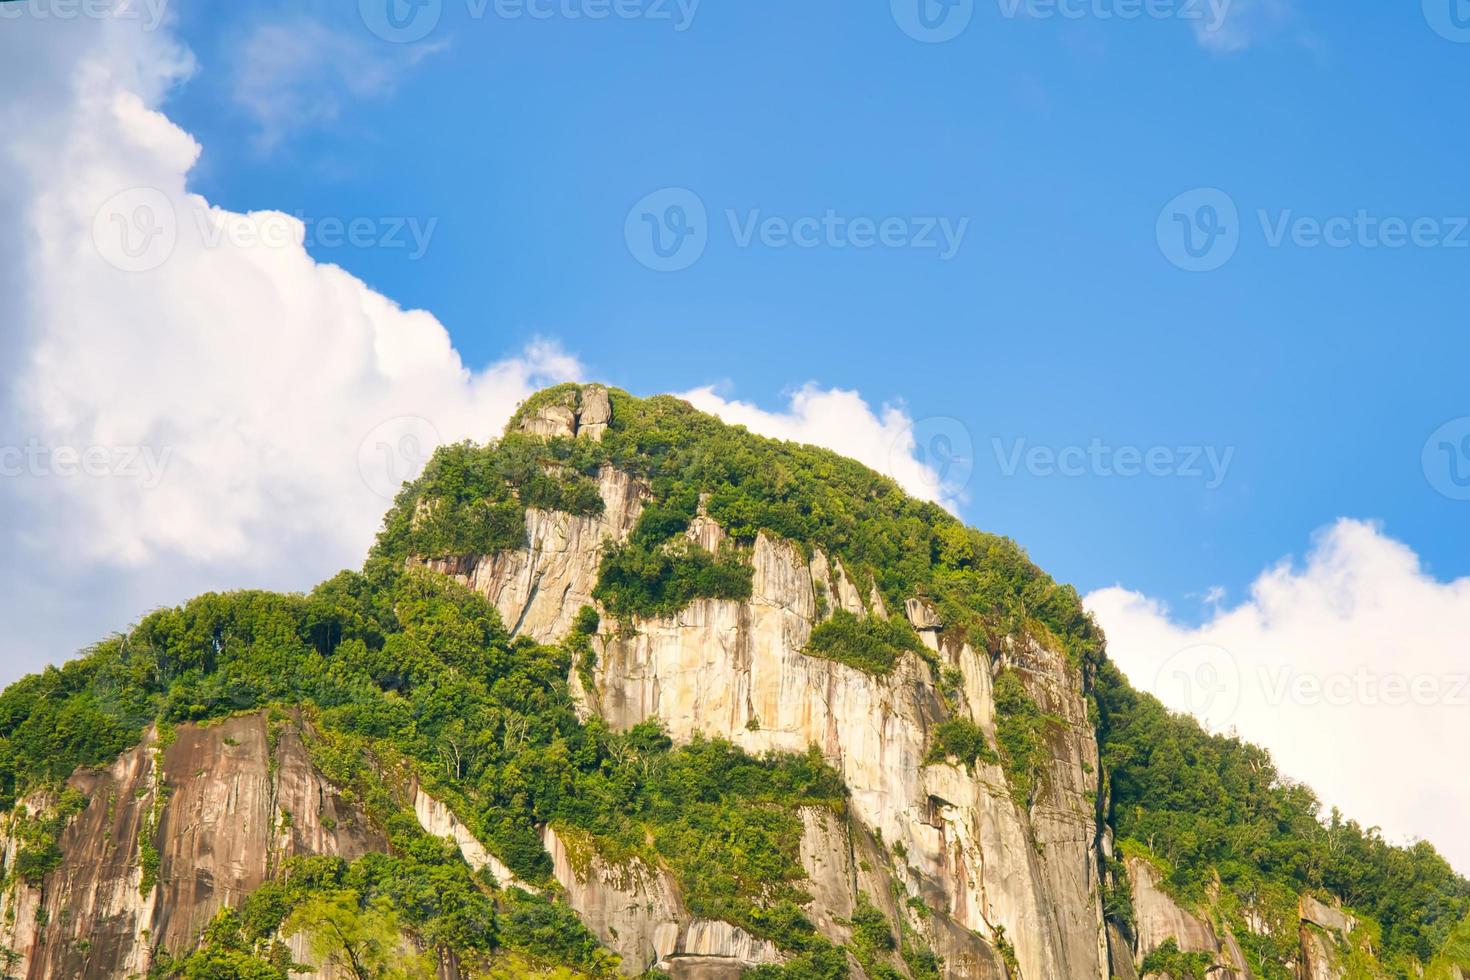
368 942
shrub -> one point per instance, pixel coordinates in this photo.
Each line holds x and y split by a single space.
872 644
962 741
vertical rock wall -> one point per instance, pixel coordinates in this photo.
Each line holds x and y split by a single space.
219 806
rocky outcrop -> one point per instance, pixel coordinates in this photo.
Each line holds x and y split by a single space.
1319 956
595 414
1327 933
826 856
1157 918
996 872
171 832
922 615
539 589
999 872
1326 916
706 939
1120 954
635 909
440 821
585 414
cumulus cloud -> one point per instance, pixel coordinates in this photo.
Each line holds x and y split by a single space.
1350 667
192 401
929 459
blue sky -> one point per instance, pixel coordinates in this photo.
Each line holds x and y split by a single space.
1059 321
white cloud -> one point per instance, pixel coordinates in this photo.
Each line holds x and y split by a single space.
239 411
1351 668
931 459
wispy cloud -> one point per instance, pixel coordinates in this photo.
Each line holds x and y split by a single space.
1242 23
290 75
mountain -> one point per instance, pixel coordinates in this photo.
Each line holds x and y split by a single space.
632 692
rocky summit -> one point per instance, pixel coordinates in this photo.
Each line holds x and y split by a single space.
628 691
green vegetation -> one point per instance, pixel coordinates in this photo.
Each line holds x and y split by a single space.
658 571
478 500
38 833
1007 952
1117 894
579 646
874 945
226 952
872 940
1021 728
870 643
923 962
1454 954
364 941
822 961
960 740
358 916
1169 961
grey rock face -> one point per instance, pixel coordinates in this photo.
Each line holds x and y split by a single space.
221 818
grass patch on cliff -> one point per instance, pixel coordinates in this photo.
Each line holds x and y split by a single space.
660 579
960 740
875 945
726 824
1020 728
658 571
873 942
872 644
1169 961
38 833
472 500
